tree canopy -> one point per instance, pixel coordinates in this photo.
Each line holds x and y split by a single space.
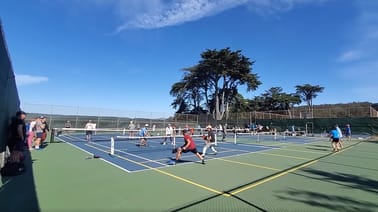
214 80
308 92
212 86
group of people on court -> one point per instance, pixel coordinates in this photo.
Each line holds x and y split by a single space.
37 130
336 136
190 145
21 135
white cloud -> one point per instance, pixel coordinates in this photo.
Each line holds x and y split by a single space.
24 79
349 56
179 12
270 7
360 66
152 14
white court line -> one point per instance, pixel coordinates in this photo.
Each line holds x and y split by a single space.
211 158
106 161
266 148
137 156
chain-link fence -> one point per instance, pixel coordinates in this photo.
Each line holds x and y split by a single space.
8 95
58 116
120 119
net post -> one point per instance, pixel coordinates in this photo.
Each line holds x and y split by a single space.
52 136
234 138
112 146
258 137
124 131
216 138
275 134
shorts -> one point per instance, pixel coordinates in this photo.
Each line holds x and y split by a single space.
194 151
88 133
39 135
335 140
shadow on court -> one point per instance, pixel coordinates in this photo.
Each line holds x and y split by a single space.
319 149
18 193
326 201
347 180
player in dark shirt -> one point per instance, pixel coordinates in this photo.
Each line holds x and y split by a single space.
210 141
17 136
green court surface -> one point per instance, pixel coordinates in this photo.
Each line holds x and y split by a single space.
295 177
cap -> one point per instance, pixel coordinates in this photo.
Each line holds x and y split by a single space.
41 117
146 125
209 127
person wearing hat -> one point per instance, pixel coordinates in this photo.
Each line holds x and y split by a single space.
210 141
168 134
16 137
143 133
39 127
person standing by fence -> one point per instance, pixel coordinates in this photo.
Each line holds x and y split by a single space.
31 133
16 137
348 132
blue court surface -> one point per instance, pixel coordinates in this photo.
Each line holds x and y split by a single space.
261 138
132 158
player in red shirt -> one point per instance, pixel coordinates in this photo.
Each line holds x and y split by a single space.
189 146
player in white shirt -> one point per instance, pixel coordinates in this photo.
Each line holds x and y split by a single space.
168 134
89 127
31 133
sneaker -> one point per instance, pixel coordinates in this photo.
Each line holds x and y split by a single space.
215 153
203 161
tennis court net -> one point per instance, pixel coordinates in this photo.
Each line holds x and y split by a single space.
123 140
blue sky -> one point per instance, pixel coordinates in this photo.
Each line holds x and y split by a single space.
126 54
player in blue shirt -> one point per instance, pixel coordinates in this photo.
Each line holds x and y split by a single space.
335 138
143 133
348 132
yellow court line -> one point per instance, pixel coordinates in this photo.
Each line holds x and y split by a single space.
272 178
248 164
296 150
166 173
285 156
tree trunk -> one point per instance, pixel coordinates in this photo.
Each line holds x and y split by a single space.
217 112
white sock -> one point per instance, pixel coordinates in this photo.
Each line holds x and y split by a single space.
204 150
